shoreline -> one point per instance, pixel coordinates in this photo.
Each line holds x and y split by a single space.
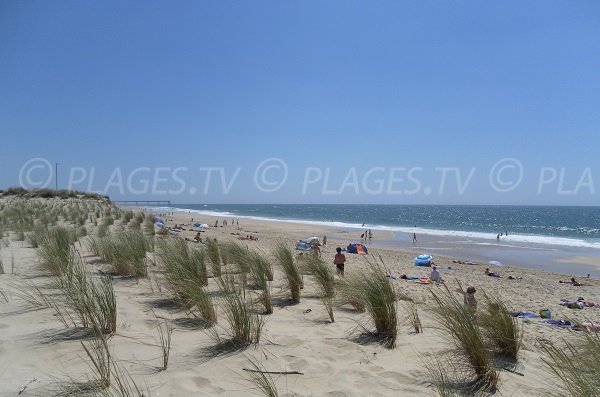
569 261
299 336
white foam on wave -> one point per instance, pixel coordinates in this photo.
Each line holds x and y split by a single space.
512 238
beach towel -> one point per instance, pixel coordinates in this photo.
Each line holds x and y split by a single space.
423 280
526 315
564 324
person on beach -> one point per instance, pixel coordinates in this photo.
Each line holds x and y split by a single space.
198 238
491 274
324 240
414 238
572 282
339 261
469 298
435 275
316 250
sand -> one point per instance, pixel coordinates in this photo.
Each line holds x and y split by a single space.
38 351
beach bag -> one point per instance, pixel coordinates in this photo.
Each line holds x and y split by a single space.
545 313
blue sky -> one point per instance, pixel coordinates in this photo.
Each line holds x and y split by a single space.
379 96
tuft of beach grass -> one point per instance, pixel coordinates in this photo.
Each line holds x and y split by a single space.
373 289
500 328
323 275
186 274
245 326
285 259
462 329
575 364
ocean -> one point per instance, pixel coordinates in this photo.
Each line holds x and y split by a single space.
550 238
549 225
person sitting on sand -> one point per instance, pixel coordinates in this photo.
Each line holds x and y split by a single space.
198 238
572 282
587 326
469 298
491 274
435 275
339 261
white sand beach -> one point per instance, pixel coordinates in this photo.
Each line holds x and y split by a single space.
39 353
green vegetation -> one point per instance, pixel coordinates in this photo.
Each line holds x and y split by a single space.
325 281
185 272
576 364
285 259
462 329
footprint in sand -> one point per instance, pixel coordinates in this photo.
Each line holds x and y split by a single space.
201 382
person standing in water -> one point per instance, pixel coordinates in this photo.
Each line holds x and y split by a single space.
414 238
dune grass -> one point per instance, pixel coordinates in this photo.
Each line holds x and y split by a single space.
348 295
323 275
109 378
84 300
500 328
185 272
98 353
576 364
236 254
165 330
261 379
261 273
125 251
56 251
212 250
374 291
285 259
244 326
412 309
129 255
440 374
462 329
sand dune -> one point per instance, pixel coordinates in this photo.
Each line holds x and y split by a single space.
39 352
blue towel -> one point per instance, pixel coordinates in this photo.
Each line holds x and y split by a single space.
526 315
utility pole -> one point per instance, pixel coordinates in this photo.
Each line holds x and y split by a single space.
56 176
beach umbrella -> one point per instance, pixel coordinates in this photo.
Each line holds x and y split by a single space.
495 263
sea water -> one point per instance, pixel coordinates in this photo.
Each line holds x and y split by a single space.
531 235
